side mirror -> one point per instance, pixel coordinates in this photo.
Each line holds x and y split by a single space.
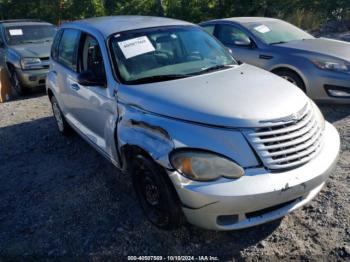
88 78
243 42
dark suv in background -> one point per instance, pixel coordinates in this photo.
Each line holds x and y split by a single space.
24 50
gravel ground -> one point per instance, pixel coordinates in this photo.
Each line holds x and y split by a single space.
58 197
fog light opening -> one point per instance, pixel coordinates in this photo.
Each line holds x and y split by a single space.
32 78
339 93
227 220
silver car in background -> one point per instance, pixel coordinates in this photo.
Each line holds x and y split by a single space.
25 50
319 66
166 103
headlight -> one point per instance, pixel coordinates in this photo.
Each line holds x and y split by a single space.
318 114
204 166
339 66
31 63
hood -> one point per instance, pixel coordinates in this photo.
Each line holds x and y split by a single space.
33 50
237 97
323 46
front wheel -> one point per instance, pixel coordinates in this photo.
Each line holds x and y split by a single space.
292 78
16 83
155 193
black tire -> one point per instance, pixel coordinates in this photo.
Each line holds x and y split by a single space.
155 193
16 83
292 77
62 124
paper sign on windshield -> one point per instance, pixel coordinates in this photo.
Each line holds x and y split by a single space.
262 29
136 46
16 32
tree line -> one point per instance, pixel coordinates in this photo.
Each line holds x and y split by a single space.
308 14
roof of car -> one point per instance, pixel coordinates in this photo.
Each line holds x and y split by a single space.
18 22
109 25
244 20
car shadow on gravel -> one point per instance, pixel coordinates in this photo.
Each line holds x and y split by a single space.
60 197
34 92
333 113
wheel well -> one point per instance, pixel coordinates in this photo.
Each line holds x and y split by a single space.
128 151
10 66
279 69
49 93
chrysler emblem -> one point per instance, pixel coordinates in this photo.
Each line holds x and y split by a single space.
291 118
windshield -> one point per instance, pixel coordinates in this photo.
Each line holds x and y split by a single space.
277 31
167 53
25 34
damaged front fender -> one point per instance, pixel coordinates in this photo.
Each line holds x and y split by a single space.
159 136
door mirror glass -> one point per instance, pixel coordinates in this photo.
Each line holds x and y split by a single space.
230 35
88 78
243 41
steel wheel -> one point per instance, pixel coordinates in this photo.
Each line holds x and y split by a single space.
292 77
16 84
57 114
62 124
155 195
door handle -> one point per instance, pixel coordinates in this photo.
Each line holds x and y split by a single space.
75 87
266 57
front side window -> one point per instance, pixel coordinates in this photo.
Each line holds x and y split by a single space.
276 32
68 48
28 34
91 59
166 53
230 35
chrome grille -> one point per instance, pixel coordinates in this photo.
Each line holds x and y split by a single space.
286 145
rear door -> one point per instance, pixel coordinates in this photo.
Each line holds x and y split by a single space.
65 70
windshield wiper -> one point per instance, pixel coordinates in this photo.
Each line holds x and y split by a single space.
35 42
277 43
211 69
29 42
156 78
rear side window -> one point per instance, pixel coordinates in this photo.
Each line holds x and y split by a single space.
209 28
55 44
68 48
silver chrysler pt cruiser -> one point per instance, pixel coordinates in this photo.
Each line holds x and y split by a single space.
222 144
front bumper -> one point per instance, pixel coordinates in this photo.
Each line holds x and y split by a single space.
32 78
320 80
260 195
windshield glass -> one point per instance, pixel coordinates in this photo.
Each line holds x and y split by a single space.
276 32
166 53
25 34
